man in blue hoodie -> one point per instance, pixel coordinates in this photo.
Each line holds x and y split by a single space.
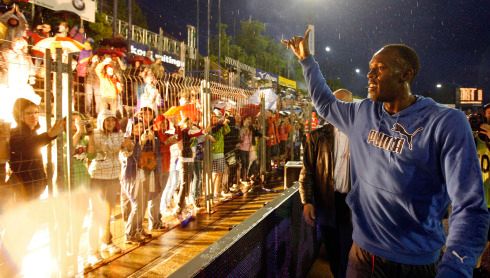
410 159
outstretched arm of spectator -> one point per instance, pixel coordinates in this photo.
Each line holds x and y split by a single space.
57 128
100 66
122 65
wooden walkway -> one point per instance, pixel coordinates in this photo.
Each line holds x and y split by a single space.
172 249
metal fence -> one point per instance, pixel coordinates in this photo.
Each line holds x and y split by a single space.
61 219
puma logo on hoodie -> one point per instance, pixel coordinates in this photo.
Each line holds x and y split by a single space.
402 131
390 143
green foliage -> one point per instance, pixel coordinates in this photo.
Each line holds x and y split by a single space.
256 49
335 84
138 18
100 29
122 11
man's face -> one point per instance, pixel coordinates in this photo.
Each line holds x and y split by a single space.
385 80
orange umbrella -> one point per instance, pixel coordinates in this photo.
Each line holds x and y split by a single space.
190 110
173 111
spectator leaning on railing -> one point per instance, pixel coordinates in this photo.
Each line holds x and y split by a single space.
25 149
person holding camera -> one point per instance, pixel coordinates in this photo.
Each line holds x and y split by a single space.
41 31
13 24
481 129
104 170
150 163
141 180
110 85
218 131
231 141
82 130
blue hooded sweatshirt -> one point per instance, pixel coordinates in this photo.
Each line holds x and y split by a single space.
406 169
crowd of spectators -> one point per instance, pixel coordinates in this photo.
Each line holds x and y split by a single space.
135 157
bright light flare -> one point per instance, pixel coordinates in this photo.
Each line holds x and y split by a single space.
438 85
48 238
327 49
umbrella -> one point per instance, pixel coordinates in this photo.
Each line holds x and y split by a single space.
110 52
173 111
190 110
249 110
52 43
219 103
142 59
115 42
224 104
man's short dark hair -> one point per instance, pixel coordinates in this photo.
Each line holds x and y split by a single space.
406 53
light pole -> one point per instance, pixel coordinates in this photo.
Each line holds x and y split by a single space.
209 27
114 18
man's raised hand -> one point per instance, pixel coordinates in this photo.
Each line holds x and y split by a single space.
299 45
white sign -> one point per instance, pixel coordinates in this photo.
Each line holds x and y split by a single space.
311 40
84 8
238 64
266 76
165 58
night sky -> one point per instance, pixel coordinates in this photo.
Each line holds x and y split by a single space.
452 37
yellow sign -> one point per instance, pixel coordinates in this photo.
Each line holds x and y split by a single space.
287 82
470 96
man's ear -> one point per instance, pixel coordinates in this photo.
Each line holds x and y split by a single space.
407 75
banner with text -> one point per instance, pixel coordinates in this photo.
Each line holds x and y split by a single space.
167 59
283 81
84 8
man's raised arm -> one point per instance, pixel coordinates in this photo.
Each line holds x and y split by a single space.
339 113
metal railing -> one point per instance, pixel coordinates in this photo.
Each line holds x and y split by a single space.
146 37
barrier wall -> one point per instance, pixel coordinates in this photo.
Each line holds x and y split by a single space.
274 242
